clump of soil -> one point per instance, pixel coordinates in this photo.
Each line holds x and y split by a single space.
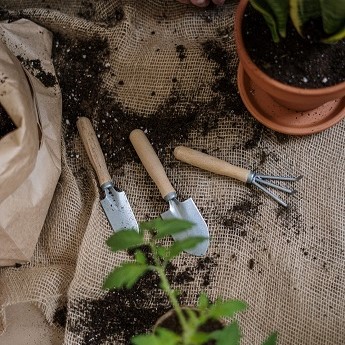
6 123
35 68
296 61
123 313
80 66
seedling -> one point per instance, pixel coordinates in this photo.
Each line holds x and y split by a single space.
128 273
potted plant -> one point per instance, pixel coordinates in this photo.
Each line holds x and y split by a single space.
188 325
288 33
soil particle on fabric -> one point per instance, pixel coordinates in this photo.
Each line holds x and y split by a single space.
6 123
290 219
60 316
296 61
35 68
251 263
181 51
87 10
241 213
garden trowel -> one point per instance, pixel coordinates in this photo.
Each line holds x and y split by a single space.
114 203
184 210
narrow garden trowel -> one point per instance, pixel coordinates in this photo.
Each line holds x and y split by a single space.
114 203
184 210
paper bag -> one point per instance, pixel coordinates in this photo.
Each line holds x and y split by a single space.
30 155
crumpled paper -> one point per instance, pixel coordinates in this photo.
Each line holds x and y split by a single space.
30 155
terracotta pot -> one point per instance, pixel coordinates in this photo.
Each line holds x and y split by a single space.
324 106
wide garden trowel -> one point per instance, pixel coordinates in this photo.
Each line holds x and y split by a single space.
114 203
184 210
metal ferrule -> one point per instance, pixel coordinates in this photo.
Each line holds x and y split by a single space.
170 196
106 185
251 177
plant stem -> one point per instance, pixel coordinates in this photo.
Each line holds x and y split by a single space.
165 285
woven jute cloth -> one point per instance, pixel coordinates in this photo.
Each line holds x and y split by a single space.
288 265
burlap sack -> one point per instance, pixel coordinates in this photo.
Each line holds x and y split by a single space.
29 155
288 265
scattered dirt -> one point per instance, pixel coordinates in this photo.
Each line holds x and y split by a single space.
121 314
80 66
297 61
36 69
6 123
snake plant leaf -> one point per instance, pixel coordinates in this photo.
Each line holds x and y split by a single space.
336 37
333 17
301 11
275 14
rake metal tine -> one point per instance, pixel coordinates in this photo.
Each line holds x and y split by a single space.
272 195
281 188
280 178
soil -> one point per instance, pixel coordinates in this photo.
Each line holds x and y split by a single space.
121 314
302 62
6 124
173 324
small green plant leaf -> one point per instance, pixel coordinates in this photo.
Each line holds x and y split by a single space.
166 227
272 339
203 301
125 239
162 252
229 335
180 246
226 308
200 338
192 318
140 257
125 276
146 339
162 336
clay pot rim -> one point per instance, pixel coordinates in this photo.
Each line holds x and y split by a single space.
249 64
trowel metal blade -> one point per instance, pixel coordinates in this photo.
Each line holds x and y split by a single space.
118 210
187 210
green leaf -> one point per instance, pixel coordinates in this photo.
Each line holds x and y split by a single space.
333 16
275 13
229 335
203 301
125 239
146 339
336 37
200 338
166 227
125 276
272 339
161 337
140 257
301 11
167 337
163 252
187 243
226 308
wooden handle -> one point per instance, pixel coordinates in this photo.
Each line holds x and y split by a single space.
93 149
210 163
151 161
